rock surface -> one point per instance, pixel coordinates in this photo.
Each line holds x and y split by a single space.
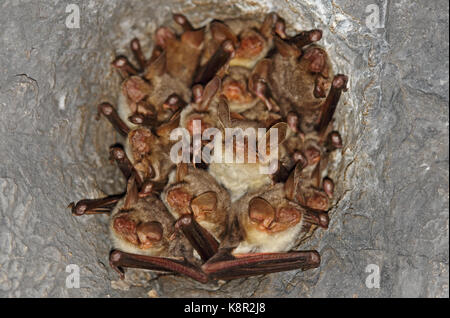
393 179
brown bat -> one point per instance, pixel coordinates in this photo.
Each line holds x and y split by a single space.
240 178
251 39
195 192
159 87
203 107
265 226
146 149
235 89
144 236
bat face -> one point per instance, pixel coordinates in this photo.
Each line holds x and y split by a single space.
144 236
274 220
203 108
300 80
252 48
148 154
144 99
144 226
269 221
312 155
136 230
196 192
249 173
253 40
235 89
230 216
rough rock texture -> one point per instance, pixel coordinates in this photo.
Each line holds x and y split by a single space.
393 179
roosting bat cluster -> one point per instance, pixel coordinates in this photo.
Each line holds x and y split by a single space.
213 220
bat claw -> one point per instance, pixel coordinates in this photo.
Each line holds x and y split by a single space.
114 258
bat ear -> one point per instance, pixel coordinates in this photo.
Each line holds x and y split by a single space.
194 38
280 129
210 91
268 24
286 49
132 195
257 84
182 171
292 182
190 35
150 232
205 202
165 129
221 32
157 68
262 69
259 73
223 112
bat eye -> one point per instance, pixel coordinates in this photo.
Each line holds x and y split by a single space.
221 32
149 232
259 210
204 203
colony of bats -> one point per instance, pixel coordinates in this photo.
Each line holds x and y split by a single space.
213 220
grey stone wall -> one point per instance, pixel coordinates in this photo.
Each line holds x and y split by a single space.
392 180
